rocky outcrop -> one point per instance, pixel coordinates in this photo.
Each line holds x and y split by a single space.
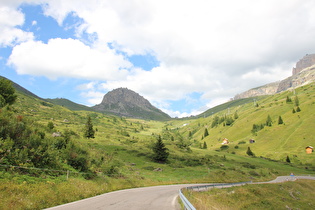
125 102
303 74
304 77
305 62
268 89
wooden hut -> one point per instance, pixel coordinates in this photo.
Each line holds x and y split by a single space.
225 141
251 141
309 149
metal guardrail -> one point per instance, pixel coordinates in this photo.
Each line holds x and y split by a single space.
189 206
185 201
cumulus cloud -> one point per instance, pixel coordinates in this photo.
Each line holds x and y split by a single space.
10 18
67 58
217 48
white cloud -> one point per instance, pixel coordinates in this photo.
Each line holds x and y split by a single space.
9 34
67 58
218 48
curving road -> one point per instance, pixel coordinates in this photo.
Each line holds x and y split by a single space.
153 198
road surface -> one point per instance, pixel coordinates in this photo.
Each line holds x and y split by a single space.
152 198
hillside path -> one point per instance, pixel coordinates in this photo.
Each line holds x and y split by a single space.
153 198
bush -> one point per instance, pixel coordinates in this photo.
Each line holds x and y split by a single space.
224 147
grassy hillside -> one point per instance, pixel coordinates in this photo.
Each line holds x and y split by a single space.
120 155
229 105
288 195
276 142
69 104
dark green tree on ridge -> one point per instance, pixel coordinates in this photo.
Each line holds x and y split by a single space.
205 145
269 121
89 131
206 133
160 152
280 121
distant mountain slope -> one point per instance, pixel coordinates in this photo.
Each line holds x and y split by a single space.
227 105
21 89
69 104
288 137
125 102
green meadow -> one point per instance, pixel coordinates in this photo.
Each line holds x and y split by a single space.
39 170
287 195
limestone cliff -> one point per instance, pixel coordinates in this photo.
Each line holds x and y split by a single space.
268 89
303 74
305 62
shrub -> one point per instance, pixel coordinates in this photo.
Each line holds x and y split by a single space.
249 152
224 147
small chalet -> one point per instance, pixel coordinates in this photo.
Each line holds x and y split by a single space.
309 149
251 141
225 141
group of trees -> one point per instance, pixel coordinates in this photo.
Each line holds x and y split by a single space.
269 122
226 120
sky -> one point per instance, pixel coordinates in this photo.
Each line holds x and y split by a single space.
184 56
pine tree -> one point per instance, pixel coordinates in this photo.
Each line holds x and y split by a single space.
296 101
205 145
280 121
293 110
288 159
269 121
160 153
189 134
206 133
89 131
298 109
249 152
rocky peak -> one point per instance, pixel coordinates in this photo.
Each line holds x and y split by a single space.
302 74
125 102
125 96
307 61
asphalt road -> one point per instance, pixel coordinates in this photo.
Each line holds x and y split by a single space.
145 198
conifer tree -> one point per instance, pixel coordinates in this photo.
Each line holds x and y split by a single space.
293 110
296 101
298 109
89 131
189 134
206 133
160 152
288 159
205 145
280 121
269 121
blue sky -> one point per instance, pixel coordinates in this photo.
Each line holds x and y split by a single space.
184 57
